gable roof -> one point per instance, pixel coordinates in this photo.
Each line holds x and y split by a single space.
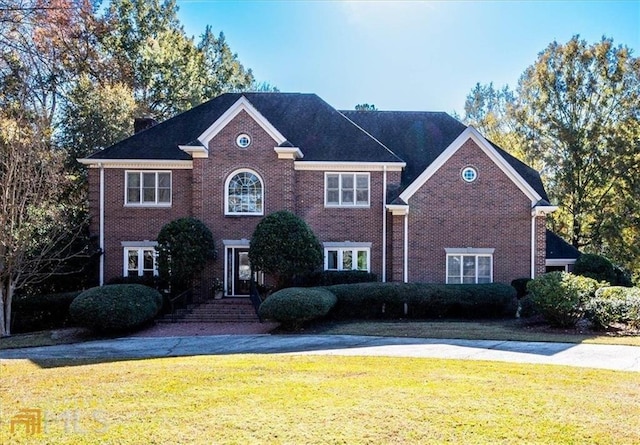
306 121
558 248
421 137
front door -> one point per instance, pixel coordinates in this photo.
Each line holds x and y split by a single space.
242 273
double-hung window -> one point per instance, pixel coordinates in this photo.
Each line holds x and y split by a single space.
148 188
346 189
469 266
140 261
350 257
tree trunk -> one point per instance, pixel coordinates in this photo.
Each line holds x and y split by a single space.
6 296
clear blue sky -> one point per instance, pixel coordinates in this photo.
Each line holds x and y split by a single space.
413 55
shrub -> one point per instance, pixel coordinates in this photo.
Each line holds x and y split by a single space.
283 246
614 305
417 300
526 308
145 280
560 297
333 277
117 307
39 312
295 305
520 285
595 266
184 247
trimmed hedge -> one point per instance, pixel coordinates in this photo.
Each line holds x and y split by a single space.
614 305
294 305
115 308
417 300
596 267
333 277
40 312
520 285
560 297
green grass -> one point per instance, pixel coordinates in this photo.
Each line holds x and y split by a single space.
278 399
511 329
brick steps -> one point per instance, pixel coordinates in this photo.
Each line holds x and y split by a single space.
229 310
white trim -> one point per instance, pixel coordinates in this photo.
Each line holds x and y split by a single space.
288 153
469 250
398 209
145 243
196 151
353 244
348 166
406 247
241 104
533 245
101 241
487 148
226 193
384 225
355 190
235 242
147 203
559 261
543 210
136 164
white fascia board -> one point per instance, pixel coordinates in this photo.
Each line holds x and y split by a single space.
349 166
163 164
487 148
336 244
398 209
543 210
470 250
241 104
235 242
196 151
559 261
288 153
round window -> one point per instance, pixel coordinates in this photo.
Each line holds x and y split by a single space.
469 174
243 140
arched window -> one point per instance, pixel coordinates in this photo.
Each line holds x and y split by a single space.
244 193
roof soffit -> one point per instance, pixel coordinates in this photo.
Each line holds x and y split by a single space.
240 105
487 148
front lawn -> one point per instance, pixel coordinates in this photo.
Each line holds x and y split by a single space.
278 399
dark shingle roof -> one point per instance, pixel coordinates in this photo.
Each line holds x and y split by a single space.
558 248
308 122
420 137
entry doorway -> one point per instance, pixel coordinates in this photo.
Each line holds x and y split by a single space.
238 272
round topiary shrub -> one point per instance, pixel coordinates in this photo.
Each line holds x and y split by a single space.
294 305
560 297
116 308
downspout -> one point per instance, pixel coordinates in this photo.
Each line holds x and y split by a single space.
533 244
406 247
384 224
101 224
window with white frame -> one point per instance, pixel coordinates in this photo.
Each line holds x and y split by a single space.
349 257
470 266
140 261
148 188
346 189
244 193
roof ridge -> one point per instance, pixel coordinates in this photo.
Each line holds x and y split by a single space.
370 135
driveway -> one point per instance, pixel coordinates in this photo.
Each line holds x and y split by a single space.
623 358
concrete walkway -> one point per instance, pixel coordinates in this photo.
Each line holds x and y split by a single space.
623 358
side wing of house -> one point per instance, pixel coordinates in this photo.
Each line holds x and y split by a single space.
470 217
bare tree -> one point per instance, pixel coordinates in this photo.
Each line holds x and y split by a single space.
37 226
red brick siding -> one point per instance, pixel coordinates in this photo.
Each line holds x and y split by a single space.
135 223
491 212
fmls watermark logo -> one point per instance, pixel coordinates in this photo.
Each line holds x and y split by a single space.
30 418
32 421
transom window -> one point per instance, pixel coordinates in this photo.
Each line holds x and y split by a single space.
346 258
244 194
140 261
148 188
346 189
469 268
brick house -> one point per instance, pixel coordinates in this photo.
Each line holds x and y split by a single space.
410 196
